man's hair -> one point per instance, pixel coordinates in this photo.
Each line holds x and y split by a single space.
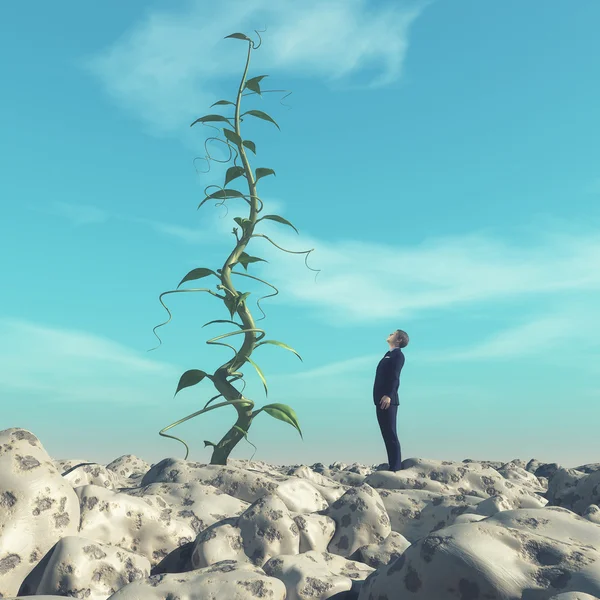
402 337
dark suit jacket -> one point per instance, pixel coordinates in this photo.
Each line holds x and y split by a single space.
387 377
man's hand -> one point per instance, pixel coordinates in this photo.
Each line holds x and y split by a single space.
385 402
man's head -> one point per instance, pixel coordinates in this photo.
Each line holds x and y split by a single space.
398 339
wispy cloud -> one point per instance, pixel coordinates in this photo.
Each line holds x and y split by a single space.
72 365
362 282
365 283
571 324
170 65
68 365
77 214
162 70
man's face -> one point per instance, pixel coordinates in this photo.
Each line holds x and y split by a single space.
392 338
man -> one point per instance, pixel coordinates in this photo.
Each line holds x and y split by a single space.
385 395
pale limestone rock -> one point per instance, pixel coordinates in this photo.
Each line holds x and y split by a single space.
592 513
574 489
37 507
109 568
315 574
573 596
493 560
377 554
469 518
227 579
188 530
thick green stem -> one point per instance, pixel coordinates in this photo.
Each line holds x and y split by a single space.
233 436
234 300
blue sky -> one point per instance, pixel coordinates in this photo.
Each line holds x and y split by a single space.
441 158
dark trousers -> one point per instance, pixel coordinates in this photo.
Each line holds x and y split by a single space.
387 423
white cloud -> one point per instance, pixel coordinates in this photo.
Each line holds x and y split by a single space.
70 365
360 283
162 71
78 214
370 282
574 324
167 69
67 364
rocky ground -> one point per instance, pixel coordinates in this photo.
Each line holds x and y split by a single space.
183 530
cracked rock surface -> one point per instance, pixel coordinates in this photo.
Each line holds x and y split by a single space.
184 530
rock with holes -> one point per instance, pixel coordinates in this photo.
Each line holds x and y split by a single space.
146 525
41 597
574 489
378 554
592 513
520 476
37 507
227 579
468 518
128 470
573 596
554 522
360 518
533 465
494 504
539 552
84 568
589 467
427 495
247 530
264 530
315 574
244 484
446 477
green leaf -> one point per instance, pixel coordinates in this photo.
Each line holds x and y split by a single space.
242 222
189 378
211 118
244 259
226 193
238 36
197 274
279 220
276 343
222 102
233 303
260 374
232 136
233 173
221 194
283 412
239 300
230 304
223 321
252 84
250 145
207 443
262 172
261 115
